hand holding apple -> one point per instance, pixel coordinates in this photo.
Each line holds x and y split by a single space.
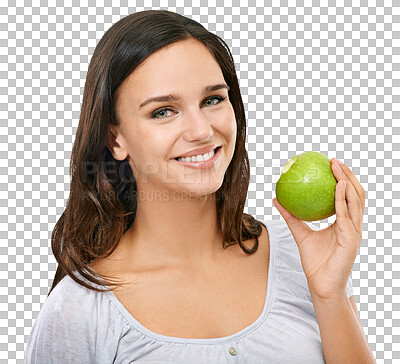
328 255
306 187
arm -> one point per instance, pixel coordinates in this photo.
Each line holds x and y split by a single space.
342 336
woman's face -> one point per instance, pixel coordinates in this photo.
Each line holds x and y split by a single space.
152 133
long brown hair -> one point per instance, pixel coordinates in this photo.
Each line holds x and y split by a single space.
103 196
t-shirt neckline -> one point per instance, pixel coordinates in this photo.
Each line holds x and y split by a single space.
240 334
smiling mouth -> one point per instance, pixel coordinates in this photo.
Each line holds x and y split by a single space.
215 152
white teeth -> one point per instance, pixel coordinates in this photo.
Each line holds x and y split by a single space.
197 158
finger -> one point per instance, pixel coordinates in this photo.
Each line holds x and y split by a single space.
354 181
342 214
300 230
354 206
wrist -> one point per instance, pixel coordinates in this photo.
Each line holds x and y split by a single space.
332 298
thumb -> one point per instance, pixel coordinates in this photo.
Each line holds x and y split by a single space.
300 230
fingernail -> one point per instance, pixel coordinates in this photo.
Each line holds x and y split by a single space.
339 161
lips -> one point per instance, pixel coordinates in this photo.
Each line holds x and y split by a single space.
202 165
198 151
215 151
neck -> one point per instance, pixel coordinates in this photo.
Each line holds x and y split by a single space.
175 231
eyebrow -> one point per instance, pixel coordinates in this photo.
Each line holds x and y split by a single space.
173 97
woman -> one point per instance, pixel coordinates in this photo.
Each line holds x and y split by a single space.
159 180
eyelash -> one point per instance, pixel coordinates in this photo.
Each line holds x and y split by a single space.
219 98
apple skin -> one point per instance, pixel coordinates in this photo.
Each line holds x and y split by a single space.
306 187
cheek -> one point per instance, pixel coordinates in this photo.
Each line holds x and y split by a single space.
229 126
226 127
233 137
146 151
234 128
148 146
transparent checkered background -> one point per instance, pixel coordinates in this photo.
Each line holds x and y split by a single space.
315 75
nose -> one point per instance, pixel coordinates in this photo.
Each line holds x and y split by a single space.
197 126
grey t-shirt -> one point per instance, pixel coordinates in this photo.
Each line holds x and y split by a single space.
77 325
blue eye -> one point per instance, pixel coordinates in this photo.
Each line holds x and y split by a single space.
162 113
218 98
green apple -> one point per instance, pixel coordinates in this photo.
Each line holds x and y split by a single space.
306 187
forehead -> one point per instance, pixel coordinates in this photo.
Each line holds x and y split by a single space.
182 66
